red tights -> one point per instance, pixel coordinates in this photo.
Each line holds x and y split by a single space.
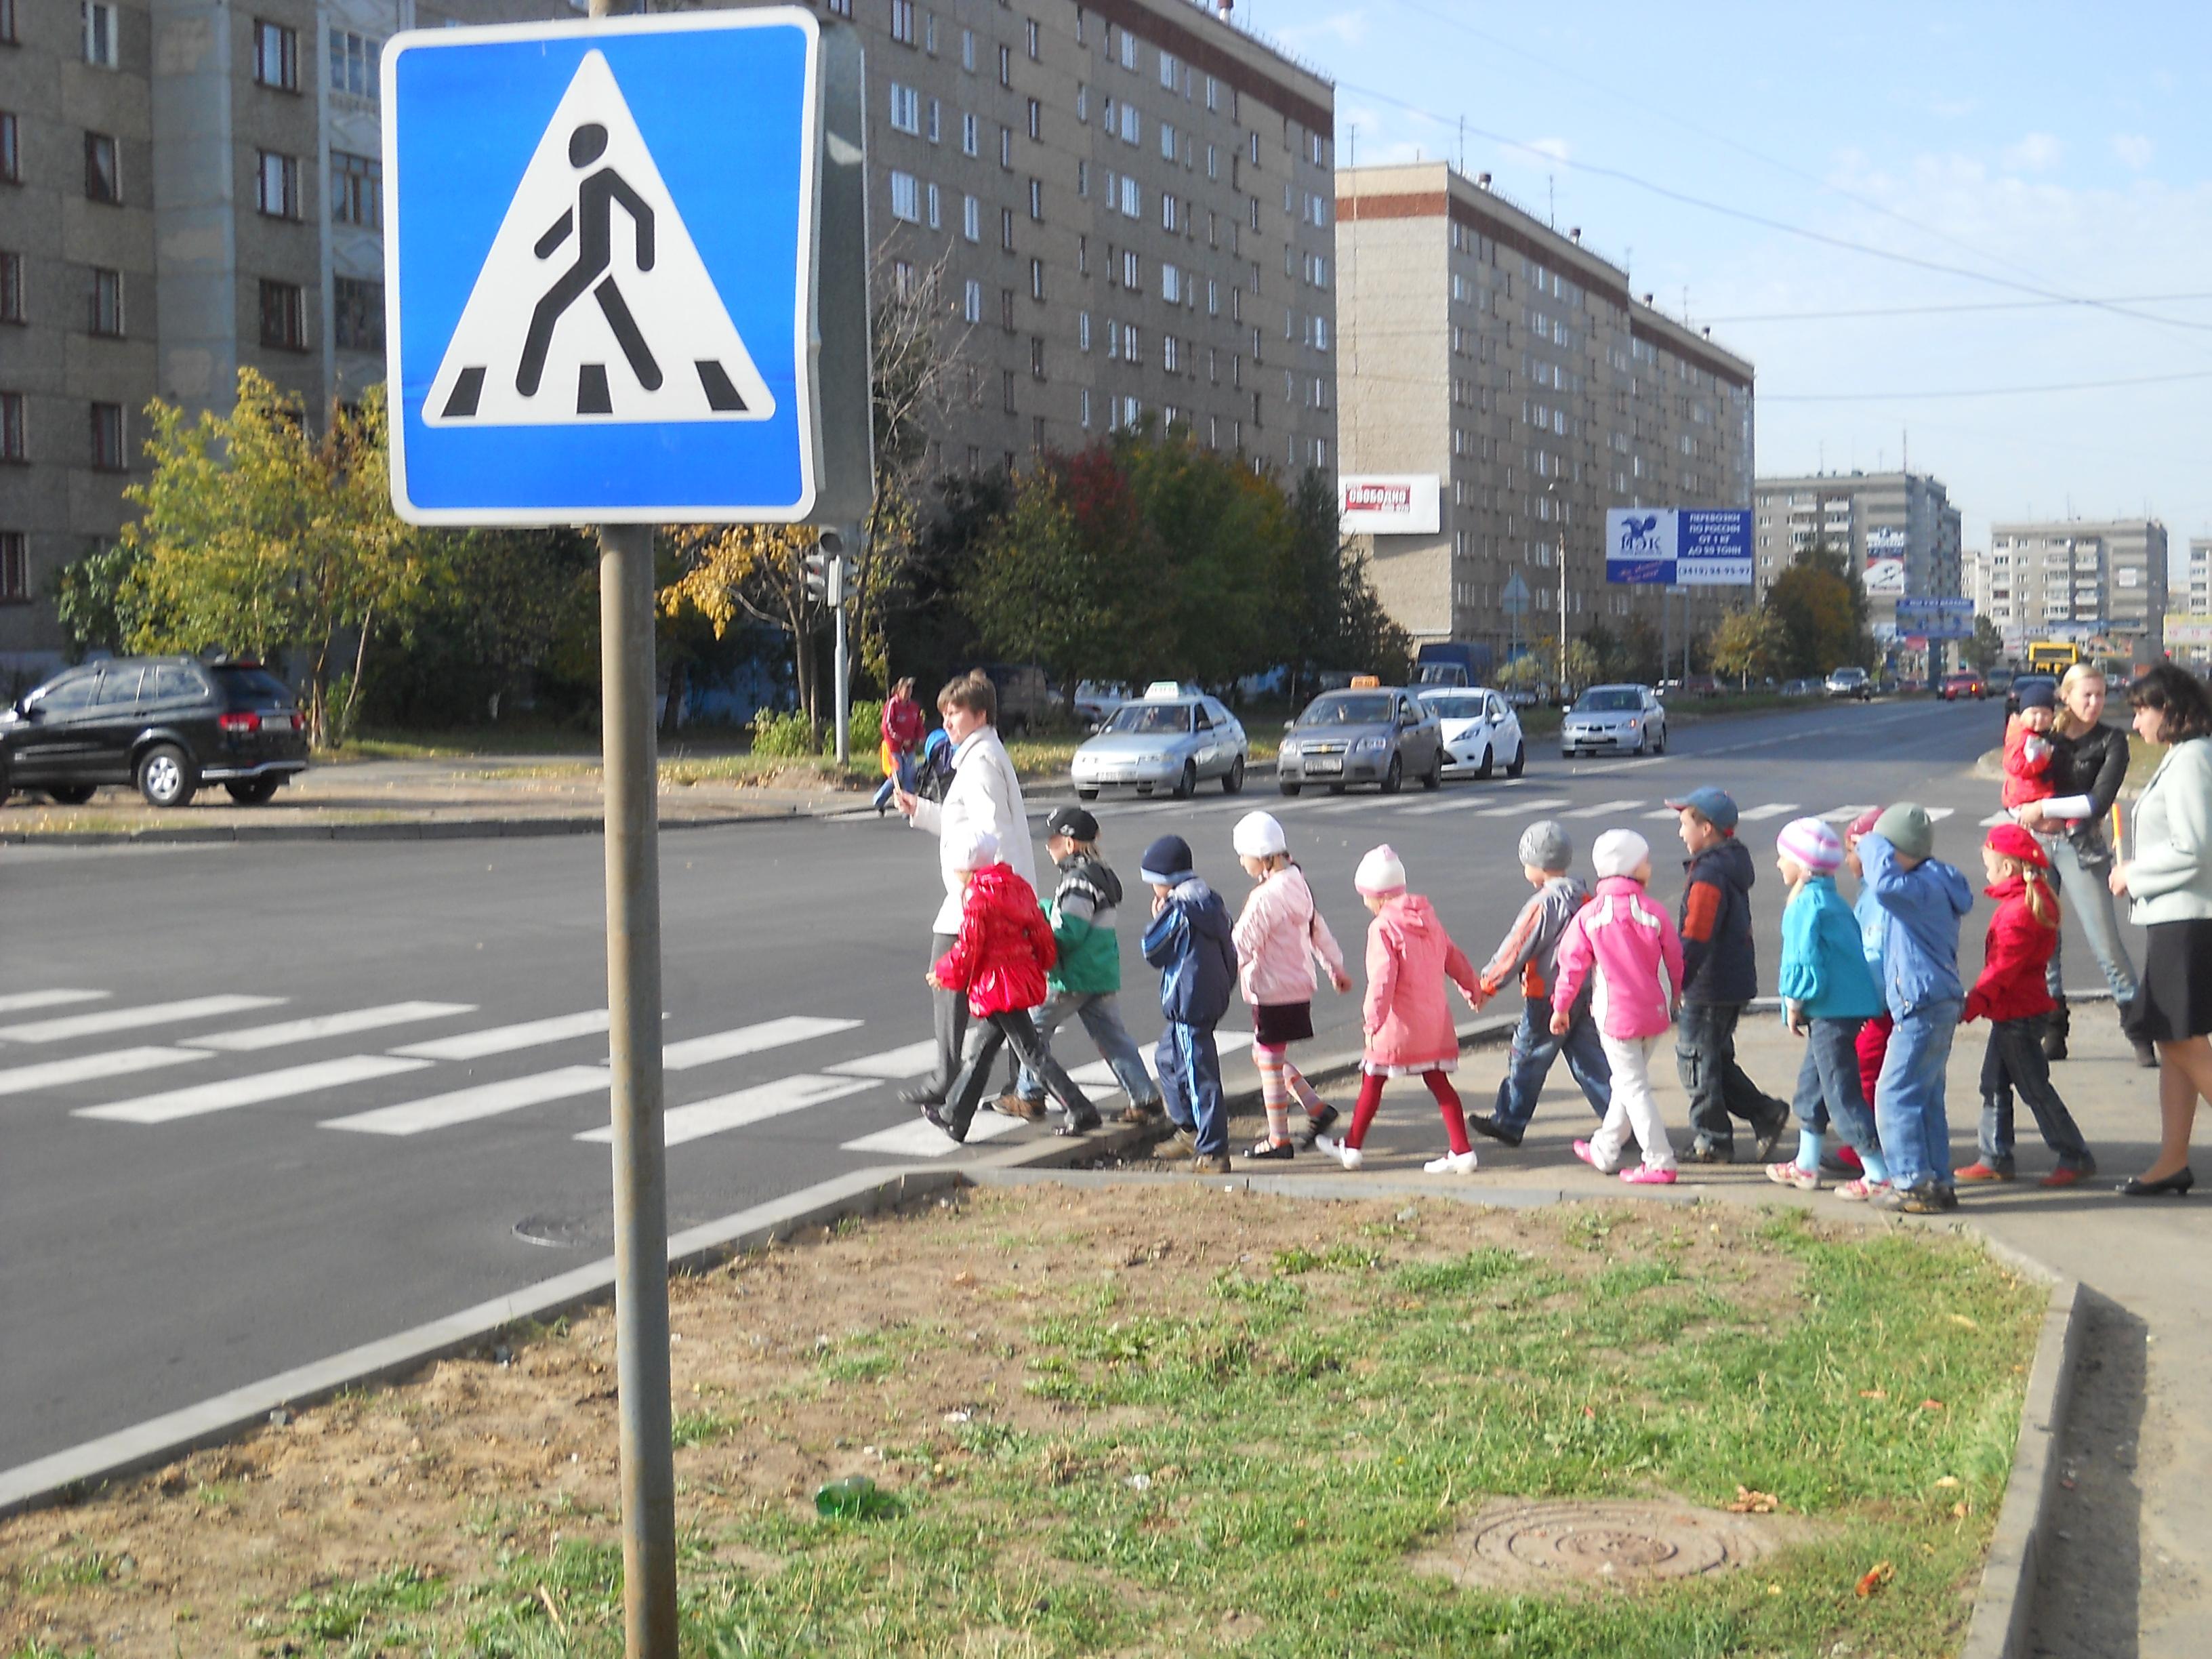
1371 1098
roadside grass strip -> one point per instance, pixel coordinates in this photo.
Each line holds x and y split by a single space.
1158 1421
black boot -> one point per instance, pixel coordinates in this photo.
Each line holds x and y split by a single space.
2054 1035
2146 1053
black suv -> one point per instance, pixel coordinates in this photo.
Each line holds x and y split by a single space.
166 724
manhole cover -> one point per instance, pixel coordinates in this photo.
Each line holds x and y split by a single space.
564 1232
1611 1540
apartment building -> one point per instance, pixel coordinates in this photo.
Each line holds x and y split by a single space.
1485 350
1900 530
2101 583
2200 575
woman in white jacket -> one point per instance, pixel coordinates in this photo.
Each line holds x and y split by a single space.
985 796
1280 938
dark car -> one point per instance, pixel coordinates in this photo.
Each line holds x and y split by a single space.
165 724
2021 683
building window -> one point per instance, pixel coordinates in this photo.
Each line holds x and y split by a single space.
968 50
100 44
1006 389
356 189
15 569
277 186
971 136
1083 332
353 64
1006 229
971 219
936 218
936 120
902 278
11 426
906 109
929 32
1006 66
107 438
902 22
1006 309
283 316
1133 272
11 288
7 22
103 168
106 303
1031 29
11 153
972 303
275 55
357 314
1007 147
1037 200
841 8
1036 279
1036 357
905 203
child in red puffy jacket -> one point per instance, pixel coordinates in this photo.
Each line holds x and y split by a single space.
2011 994
999 957
2028 750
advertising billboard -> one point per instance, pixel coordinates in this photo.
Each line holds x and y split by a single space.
1678 547
1885 562
1937 619
1389 503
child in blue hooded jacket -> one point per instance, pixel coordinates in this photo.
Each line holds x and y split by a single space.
1190 942
1925 900
1827 995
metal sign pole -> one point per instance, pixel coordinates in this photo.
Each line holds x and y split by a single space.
844 666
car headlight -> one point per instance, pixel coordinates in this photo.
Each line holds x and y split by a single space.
1632 727
1370 745
1289 750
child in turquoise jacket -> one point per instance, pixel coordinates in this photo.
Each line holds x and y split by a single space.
1828 993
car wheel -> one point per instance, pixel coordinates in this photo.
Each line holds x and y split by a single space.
1086 794
1394 779
1659 743
1233 781
254 792
1489 763
1642 743
1434 777
166 776
72 794
1186 784
4 785
1520 761
1291 789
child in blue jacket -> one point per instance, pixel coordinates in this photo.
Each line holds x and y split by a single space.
1925 900
1827 995
1189 941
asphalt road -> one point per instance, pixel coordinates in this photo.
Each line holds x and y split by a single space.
175 1230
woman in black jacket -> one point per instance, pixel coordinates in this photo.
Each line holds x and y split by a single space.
2092 760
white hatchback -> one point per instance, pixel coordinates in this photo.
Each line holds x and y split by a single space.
1481 733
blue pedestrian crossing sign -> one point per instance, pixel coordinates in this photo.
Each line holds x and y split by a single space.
600 256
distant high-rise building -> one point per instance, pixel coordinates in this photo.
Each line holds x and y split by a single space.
1899 530
2100 583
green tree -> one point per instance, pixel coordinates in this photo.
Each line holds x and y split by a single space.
1334 617
97 599
1747 643
1986 646
1821 614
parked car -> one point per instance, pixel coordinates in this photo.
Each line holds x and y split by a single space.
1480 732
1174 740
1851 682
2021 683
1095 701
1801 688
1618 718
1380 735
1025 695
1701 685
1966 683
166 724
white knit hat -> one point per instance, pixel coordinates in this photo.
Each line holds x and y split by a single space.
1811 844
1379 871
974 849
1620 852
1258 835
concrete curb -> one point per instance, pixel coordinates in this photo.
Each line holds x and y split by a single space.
423 829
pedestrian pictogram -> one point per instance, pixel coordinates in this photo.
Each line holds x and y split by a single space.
594 304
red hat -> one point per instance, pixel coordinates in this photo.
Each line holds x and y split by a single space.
2010 840
1864 824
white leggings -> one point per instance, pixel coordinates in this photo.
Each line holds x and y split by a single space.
1632 1108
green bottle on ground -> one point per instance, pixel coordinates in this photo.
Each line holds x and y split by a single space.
855 1497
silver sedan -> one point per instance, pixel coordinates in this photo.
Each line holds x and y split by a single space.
1163 743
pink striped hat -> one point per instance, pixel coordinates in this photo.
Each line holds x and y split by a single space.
1812 843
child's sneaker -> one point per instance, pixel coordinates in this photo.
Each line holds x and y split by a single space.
1585 1151
1349 1157
2067 1174
1451 1163
1862 1191
1794 1175
1647 1175
1271 1150
1210 1163
1979 1172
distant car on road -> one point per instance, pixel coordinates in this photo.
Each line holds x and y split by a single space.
1615 719
1801 688
1095 702
1701 685
166 724
1964 683
2021 682
1851 682
1380 735
1480 732
1025 695
1170 738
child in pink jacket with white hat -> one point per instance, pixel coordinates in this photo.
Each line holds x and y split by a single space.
1409 1026
1625 941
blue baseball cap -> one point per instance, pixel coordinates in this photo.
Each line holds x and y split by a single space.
1713 806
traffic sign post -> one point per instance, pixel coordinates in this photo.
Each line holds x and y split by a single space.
626 283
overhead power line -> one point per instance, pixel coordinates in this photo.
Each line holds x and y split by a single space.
1930 311
1978 392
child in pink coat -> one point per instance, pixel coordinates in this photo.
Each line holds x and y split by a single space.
1409 1026
1625 941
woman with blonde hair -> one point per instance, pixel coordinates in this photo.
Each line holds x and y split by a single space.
2091 764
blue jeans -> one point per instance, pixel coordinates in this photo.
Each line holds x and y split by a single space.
1908 1100
1190 1085
902 778
1529 1063
2084 886
2016 1060
1828 1084
1101 1014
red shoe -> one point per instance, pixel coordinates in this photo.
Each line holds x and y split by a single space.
1981 1172
2066 1175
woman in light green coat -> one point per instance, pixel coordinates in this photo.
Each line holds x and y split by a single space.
2170 880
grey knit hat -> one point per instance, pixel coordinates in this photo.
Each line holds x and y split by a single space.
1907 827
1545 845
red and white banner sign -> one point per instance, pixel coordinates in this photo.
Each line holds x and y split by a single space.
1390 504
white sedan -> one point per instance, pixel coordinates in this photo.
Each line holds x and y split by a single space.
1481 733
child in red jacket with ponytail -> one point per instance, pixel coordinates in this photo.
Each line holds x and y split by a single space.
2022 935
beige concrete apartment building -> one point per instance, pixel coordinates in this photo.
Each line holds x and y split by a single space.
2097 582
1487 351
1900 531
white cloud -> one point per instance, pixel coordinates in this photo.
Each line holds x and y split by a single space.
1558 148
2036 153
2133 149
1342 28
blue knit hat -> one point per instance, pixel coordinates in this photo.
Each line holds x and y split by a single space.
2038 693
1167 862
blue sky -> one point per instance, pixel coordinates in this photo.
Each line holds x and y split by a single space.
2046 146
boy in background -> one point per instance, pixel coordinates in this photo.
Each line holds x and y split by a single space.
1189 942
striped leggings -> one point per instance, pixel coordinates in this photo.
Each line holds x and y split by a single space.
1278 1081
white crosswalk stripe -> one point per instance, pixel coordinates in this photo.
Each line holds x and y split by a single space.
1844 814
257 1037
1773 809
284 1084
1663 812
893 1065
920 1140
1937 814
753 1105
1995 819
1457 804
505 1039
1516 809
1099 1074
694 1052
86 1068
21 1002
1602 808
126 1020
414 1117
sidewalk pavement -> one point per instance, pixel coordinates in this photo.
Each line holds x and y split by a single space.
2132 1559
